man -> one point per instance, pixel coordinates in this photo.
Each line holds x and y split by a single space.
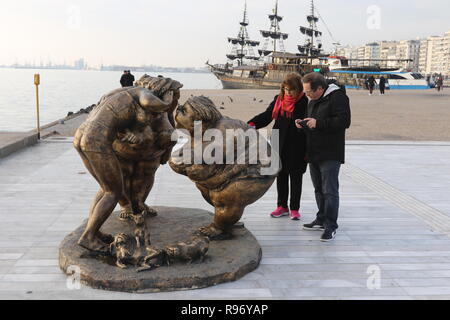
328 118
440 83
123 79
131 79
371 82
127 79
382 85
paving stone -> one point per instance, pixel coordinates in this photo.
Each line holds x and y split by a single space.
43 197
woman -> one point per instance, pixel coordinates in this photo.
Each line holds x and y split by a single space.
289 105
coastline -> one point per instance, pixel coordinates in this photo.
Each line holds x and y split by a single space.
398 116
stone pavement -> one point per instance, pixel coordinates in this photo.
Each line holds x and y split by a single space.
394 221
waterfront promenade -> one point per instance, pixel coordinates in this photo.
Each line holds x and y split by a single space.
394 222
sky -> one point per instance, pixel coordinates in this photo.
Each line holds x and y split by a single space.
187 33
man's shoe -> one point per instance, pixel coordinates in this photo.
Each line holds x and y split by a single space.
280 212
328 235
315 225
295 215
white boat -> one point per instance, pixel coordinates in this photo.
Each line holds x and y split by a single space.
355 77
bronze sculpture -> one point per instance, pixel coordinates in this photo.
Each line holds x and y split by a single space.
229 187
136 116
126 137
147 147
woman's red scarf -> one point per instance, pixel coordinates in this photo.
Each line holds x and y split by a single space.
285 106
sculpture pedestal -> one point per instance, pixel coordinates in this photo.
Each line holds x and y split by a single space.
225 261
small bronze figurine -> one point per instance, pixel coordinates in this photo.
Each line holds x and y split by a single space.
192 250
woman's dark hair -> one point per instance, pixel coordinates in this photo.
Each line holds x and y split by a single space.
293 81
315 80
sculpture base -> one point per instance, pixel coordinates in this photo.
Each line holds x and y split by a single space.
225 261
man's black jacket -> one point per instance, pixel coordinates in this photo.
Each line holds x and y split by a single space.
127 80
327 140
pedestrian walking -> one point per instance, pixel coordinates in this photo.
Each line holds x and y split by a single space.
371 84
440 83
382 85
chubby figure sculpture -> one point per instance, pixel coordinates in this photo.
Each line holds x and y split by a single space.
145 146
227 184
118 112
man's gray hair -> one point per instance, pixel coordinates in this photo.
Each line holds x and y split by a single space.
315 80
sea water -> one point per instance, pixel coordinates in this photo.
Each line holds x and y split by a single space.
62 91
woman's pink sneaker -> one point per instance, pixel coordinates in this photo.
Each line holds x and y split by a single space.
295 215
280 212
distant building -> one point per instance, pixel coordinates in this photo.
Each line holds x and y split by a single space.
372 51
423 56
80 64
427 56
388 51
409 49
434 55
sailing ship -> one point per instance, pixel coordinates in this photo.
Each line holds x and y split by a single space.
273 63
266 71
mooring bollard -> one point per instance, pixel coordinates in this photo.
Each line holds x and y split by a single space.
37 82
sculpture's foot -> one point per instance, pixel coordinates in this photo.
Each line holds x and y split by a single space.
105 237
125 213
145 267
214 233
95 245
147 211
121 265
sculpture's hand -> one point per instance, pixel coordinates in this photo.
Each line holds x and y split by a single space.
131 138
168 97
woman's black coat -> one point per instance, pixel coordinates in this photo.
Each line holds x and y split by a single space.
292 141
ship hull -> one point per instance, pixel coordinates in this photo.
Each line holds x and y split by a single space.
230 82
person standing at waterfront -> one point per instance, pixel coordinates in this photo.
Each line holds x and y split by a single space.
371 84
328 116
131 78
127 79
123 79
382 85
289 105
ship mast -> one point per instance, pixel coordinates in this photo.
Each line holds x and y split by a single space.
242 45
274 33
309 49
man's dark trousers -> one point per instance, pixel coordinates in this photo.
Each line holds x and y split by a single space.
324 176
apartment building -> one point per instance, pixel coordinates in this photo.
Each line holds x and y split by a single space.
434 55
427 56
408 50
